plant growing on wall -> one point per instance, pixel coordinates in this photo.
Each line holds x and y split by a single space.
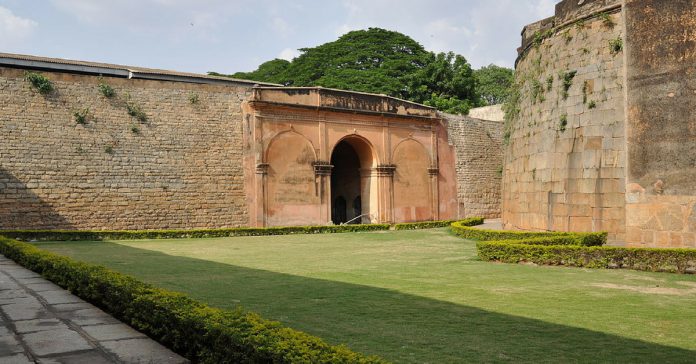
549 83
563 123
607 21
567 36
193 98
512 109
106 90
616 46
39 82
109 149
135 110
539 37
537 92
567 78
81 116
585 91
135 130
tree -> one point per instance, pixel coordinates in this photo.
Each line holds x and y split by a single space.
373 60
446 82
378 61
494 83
271 71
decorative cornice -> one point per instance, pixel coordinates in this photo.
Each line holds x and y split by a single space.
265 109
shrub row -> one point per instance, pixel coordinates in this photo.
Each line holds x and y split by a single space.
572 249
648 259
466 231
471 221
70 235
423 225
190 328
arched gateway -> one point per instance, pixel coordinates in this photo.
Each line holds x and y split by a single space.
351 180
326 156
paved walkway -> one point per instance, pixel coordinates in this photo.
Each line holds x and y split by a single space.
43 323
491 224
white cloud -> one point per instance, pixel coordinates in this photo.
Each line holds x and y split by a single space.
14 29
281 26
288 54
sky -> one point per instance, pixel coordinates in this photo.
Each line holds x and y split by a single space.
228 36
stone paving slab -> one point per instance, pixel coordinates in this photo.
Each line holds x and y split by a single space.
43 323
56 341
139 351
16 359
113 332
88 316
28 326
85 357
40 287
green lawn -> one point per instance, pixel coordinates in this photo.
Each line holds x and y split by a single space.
422 296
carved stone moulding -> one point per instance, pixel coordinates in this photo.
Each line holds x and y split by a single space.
386 169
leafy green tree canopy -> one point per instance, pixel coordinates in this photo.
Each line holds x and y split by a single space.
271 71
445 82
494 83
379 61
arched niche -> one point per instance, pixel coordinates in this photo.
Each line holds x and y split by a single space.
292 196
412 191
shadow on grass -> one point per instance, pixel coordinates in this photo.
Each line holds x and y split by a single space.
399 327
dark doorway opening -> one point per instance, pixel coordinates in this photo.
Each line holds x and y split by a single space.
338 214
345 184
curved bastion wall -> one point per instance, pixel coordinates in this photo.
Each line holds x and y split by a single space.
599 132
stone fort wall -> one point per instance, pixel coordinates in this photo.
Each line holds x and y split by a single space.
601 136
564 164
661 123
478 149
182 168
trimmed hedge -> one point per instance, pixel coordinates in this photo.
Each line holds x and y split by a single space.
466 223
190 328
466 231
423 225
647 259
572 249
71 235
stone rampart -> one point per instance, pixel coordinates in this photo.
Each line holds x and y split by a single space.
565 159
602 134
181 168
478 162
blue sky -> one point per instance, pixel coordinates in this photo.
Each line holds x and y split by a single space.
237 35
